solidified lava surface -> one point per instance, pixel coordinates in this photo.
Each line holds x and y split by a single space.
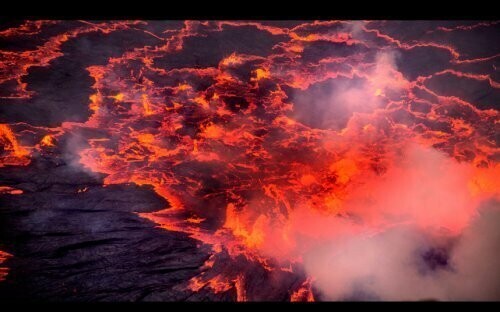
249 160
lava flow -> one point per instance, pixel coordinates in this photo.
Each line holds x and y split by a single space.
337 160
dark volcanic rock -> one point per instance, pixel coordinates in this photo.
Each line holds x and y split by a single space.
70 244
62 89
209 50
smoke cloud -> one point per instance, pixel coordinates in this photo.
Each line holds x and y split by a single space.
418 232
415 232
408 263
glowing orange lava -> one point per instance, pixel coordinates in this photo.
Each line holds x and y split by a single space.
11 152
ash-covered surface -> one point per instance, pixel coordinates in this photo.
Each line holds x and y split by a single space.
217 113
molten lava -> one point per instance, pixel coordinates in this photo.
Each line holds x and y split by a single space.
3 270
248 172
11 153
